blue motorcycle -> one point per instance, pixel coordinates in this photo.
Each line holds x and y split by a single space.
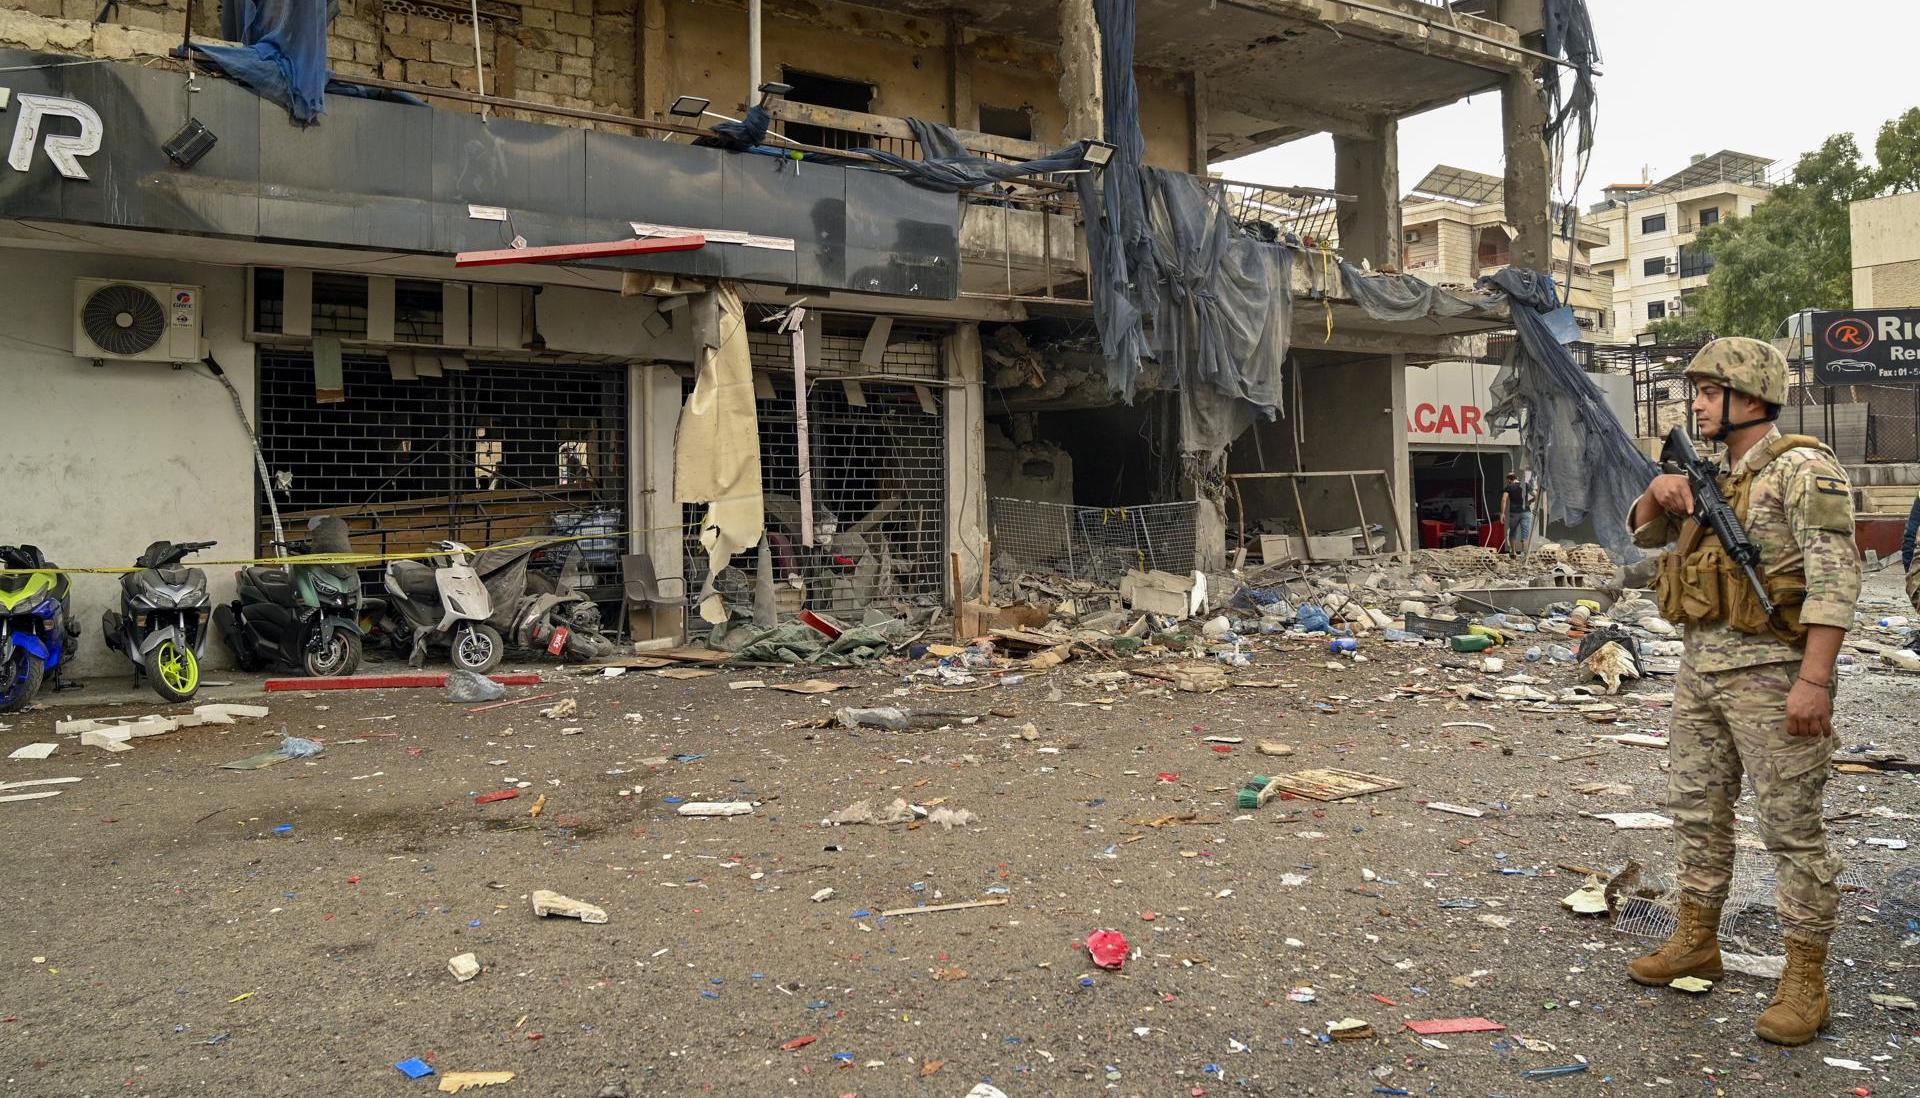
36 625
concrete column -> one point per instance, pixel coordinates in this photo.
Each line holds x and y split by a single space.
1080 94
653 418
1197 121
650 56
960 104
1369 169
1529 173
966 447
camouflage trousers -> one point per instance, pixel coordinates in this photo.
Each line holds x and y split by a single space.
1728 722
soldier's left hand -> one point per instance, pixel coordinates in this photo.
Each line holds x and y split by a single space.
1809 710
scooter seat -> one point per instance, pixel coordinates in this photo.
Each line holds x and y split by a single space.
415 580
268 584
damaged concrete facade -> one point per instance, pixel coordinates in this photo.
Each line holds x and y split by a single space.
934 402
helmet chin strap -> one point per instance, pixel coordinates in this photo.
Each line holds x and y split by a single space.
1726 427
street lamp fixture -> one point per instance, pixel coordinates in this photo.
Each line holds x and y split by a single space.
1095 152
689 106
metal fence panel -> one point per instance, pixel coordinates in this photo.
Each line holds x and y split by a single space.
1099 544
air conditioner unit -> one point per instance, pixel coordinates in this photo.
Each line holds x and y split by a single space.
1673 266
1412 236
135 321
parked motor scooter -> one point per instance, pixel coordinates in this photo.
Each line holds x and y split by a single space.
304 616
446 604
37 629
161 625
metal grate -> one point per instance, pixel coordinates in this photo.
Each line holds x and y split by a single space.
1747 921
1100 544
908 354
878 470
481 456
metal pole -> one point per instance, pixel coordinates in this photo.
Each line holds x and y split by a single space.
479 70
753 50
796 326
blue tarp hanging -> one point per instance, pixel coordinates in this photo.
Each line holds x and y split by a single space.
283 54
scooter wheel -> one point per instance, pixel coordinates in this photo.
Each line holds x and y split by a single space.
173 670
20 681
339 654
477 648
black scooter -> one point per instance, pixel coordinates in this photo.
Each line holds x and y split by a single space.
304 616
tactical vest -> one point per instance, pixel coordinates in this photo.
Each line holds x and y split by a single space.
1700 584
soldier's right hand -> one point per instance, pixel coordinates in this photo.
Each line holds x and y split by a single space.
1672 492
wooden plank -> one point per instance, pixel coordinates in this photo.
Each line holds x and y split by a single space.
1333 783
879 125
964 905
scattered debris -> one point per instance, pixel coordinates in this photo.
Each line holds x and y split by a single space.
1458 810
415 1068
931 909
453 1082
1274 748
1691 984
34 751
1847 1065
861 812
1634 821
1350 1029
464 967
685 672
822 896
468 687
496 795
1439 1027
1893 1002
810 686
1333 784
1589 899
1748 964
552 903
566 707
1108 948
1890 844
716 808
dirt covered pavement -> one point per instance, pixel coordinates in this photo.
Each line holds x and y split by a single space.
174 928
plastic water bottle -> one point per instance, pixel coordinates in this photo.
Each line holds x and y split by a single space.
1561 652
1534 654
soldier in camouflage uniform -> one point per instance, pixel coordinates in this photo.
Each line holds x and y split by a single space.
1755 692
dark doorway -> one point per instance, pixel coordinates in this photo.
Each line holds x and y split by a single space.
827 91
1014 122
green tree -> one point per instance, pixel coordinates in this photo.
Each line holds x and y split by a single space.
1898 150
1677 329
1792 252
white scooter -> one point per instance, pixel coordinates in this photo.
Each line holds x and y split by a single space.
446 604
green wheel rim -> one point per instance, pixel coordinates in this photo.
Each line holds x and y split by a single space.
178 669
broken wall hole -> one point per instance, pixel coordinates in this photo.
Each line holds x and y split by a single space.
878 453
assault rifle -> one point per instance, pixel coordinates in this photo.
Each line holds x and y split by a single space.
1711 509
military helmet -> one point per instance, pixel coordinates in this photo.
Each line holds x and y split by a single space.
1751 366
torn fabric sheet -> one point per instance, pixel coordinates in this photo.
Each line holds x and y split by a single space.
1586 463
1404 297
716 452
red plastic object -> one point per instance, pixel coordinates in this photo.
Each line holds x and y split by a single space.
1167 776
563 253
820 625
558 643
496 795
1434 1027
1108 948
386 682
798 1043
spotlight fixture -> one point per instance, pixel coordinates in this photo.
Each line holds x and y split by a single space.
689 106
1096 152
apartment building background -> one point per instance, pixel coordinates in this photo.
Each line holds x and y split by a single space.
1651 228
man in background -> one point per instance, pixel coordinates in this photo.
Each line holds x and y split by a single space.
1516 514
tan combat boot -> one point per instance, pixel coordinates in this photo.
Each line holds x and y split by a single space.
1693 950
1800 1005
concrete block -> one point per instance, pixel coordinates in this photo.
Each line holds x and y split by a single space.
34 32
153 724
232 711
429 73
107 739
79 726
569 23
1158 593
1330 548
116 42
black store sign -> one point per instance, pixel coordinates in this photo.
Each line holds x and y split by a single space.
1866 346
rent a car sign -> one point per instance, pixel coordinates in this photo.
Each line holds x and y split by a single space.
1866 346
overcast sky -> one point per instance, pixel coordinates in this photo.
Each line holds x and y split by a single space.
1768 77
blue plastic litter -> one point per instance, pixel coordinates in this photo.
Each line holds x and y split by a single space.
415 1068
862 913
817 1004
297 747
688 758
475 923
1086 981
1312 619
709 995
716 981
674 800
283 829
843 1057
1553 1072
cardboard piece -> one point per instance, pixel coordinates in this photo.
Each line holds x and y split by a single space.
1333 784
